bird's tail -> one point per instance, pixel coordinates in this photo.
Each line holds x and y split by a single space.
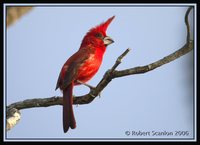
68 114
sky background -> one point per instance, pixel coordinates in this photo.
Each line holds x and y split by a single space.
160 100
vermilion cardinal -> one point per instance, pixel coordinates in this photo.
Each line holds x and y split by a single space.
81 67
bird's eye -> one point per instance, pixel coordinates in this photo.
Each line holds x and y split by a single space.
99 35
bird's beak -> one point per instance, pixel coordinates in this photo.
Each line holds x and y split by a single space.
107 40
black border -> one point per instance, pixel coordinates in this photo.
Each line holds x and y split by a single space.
102 5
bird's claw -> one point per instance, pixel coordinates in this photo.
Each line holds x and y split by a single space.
91 88
93 96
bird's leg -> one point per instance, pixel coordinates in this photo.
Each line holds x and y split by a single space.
89 86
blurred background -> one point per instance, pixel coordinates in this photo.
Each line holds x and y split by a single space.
39 43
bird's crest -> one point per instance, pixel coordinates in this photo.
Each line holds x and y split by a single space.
102 27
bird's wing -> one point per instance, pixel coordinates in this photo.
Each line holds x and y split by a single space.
73 65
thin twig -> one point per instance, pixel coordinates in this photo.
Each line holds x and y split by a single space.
143 69
187 23
119 59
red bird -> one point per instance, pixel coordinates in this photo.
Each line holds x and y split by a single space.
81 67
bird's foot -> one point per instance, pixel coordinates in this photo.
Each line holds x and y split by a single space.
97 95
92 95
91 88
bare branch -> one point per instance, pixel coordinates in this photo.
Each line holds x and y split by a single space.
119 59
40 102
187 23
108 76
182 51
143 69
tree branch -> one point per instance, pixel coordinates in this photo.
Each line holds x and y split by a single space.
143 69
188 46
107 78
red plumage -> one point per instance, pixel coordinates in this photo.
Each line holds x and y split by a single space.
82 66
